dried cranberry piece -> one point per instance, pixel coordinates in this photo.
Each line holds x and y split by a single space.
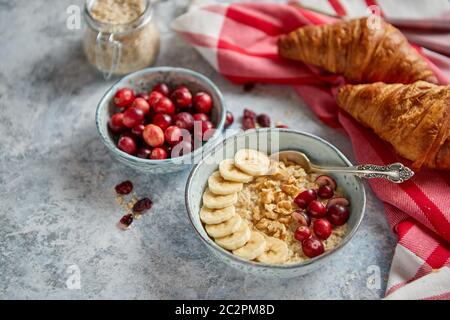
264 120
124 188
127 219
142 205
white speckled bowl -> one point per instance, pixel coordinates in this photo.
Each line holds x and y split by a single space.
265 140
144 80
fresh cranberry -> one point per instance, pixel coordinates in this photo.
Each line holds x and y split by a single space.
158 154
162 120
124 187
324 180
173 135
302 233
182 148
249 114
137 130
142 205
154 97
144 152
132 117
124 97
203 102
182 97
116 123
316 209
184 120
142 104
338 200
229 119
322 228
127 144
248 123
207 130
325 192
162 88
337 214
164 105
144 96
127 220
312 247
305 197
263 120
200 117
301 217
153 135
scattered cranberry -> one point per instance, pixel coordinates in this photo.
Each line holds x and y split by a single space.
338 215
316 209
325 192
143 152
158 154
322 228
173 135
138 130
305 197
248 123
301 217
154 97
116 123
182 97
302 233
127 144
263 120
124 97
162 120
312 247
127 220
142 205
132 117
184 120
142 104
249 114
124 187
203 102
281 125
229 119
153 135
164 105
162 88
200 117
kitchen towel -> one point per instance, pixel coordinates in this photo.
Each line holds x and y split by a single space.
239 40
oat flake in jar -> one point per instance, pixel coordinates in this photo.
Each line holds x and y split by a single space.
120 36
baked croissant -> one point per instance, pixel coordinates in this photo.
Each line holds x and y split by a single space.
359 52
414 118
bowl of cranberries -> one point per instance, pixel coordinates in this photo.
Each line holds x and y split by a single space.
160 120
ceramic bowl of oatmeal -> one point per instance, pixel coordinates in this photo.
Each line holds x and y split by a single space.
269 217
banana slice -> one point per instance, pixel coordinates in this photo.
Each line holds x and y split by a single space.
213 201
216 216
253 248
230 172
276 251
252 162
219 186
236 239
225 228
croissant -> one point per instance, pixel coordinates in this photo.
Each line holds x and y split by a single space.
414 118
362 53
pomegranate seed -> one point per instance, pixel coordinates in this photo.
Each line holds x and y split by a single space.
200 117
124 97
124 187
127 220
144 153
203 102
153 135
264 120
302 233
182 97
325 192
249 114
248 123
184 120
127 144
305 197
142 205
316 209
132 117
162 88
229 119
173 135
164 105
337 214
141 104
162 120
116 123
158 154
312 247
301 217
322 228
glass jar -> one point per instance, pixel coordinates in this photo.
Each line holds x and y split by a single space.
120 36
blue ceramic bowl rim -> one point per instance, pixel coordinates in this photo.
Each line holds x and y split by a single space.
210 143
227 254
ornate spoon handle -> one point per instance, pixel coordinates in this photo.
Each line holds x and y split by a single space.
395 172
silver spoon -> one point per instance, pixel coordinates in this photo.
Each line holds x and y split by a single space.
395 172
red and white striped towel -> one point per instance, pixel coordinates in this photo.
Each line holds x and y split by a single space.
239 40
